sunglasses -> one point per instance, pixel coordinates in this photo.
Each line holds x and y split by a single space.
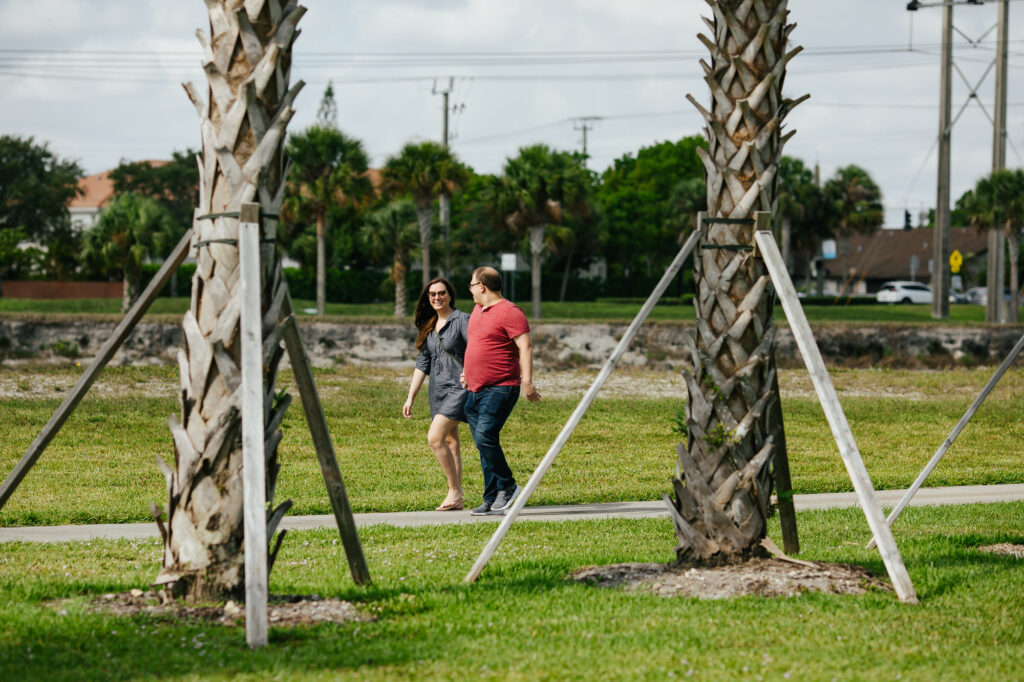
437 294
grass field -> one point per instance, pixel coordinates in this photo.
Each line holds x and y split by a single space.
524 621
576 311
101 467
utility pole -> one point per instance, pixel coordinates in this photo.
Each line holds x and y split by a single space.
585 123
444 200
940 260
995 310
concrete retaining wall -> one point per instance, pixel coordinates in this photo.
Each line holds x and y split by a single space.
658 345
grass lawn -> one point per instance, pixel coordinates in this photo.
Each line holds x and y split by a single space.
575 311
101 468
524 621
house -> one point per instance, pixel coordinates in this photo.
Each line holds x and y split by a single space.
864 262
85 209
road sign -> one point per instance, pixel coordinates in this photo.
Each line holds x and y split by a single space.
955 261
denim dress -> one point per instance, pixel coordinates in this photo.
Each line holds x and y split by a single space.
441 359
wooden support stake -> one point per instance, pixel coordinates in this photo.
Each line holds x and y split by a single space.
84 382
804 337
941 452
324 448
780 456
254 485
581 409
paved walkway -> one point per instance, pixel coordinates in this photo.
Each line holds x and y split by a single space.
605 510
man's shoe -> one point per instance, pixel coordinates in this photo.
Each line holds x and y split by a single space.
503 502
482 510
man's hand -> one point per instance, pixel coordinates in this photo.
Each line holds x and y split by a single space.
530 392
462 380
407 408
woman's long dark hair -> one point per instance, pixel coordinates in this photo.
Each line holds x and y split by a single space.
426 316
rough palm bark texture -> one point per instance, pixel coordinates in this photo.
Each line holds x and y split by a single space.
724 480
247 59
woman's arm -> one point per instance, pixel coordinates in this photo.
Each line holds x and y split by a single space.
418 376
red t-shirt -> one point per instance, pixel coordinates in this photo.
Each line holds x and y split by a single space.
492 357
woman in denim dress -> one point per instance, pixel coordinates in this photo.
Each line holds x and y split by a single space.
441 340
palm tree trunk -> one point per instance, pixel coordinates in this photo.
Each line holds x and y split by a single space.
425 220
536 248
321 262
565 275
399 268
724 479
248 106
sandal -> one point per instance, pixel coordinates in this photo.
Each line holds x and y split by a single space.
452 506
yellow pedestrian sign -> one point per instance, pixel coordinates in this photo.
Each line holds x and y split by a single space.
955 261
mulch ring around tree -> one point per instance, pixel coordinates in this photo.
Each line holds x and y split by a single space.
281 609
762 577
1004 549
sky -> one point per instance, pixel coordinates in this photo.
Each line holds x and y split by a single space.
100 80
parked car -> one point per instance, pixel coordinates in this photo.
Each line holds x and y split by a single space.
979 295
904 292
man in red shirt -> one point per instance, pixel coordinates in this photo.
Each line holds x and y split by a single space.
498 364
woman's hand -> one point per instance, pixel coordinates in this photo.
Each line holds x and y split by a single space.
407 408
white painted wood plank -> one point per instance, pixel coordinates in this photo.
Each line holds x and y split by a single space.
253 461
862 485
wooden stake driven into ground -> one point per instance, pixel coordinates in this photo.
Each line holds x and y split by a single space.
804 338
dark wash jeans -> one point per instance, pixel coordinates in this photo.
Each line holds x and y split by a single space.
487 410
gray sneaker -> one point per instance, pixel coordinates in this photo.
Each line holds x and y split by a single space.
503 502
482 510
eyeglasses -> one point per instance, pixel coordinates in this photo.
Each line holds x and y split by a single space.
473 284
437 294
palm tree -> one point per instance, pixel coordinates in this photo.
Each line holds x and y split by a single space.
800 212
424 171
243 122
855 199
392 231
131 227
329 169
533 191
724 480
997 202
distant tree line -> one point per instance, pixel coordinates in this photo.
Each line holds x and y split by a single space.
352 228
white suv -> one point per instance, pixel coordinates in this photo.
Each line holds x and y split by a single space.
904 292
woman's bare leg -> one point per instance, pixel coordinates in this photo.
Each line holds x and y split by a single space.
451 464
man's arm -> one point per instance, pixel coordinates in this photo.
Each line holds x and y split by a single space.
525 346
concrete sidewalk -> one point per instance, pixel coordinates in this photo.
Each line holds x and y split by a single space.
604 510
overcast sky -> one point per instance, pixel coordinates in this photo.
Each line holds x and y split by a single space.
99 80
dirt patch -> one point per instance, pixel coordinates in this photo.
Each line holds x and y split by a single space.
281 609
761 577
1004 549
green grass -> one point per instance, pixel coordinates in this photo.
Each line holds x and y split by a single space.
101 467
575 311
524 621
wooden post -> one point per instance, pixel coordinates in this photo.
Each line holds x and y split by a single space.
581 409
324 448
941 452
253 460
84 382
804 337
780 456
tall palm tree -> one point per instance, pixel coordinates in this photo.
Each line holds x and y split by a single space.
328 169
997 202
724 478
243 121
391 231
531 194
856 201
424 171
130 227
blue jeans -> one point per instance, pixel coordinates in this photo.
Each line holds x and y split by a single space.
487 410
